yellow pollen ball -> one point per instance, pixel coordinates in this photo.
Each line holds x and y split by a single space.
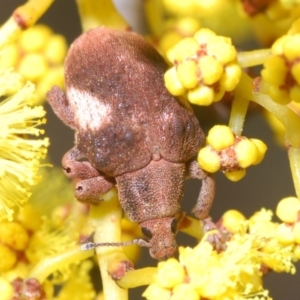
170 273
184 291
284 234
187 74
13 235
211 70
202 95
172 83
231 77
8 258
33 66
231 220
186 48
154 291
291 47
296 232
235 175
220 137
261 150
35 38
6 289
56 49
223 52
287 209
277 47
204 35
246 153
209 160
275 70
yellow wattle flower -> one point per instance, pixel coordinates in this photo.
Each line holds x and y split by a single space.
204 67
20 150
38 56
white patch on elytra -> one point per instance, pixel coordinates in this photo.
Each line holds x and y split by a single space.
89 112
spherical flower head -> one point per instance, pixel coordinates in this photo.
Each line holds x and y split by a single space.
246 152
288 209
230 153
232 219
170 273
220 137
205 67
235 175
38 56
282 70
209 160
14 235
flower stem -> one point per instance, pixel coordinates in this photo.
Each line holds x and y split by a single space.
137 278
100 13
106 220
46 267
284 114
253 58
291 122
242 95
23 17
192 227
294 157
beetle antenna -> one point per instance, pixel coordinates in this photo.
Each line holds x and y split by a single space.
91 245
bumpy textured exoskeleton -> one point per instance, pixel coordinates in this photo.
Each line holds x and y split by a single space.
130 132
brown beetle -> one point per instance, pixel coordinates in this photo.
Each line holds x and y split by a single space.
130 132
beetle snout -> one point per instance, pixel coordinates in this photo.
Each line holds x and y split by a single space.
162 252
161 237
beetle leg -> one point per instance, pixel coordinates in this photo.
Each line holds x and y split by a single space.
204 202
60 105
90 183
207 192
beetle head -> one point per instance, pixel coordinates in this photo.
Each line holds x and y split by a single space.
161 236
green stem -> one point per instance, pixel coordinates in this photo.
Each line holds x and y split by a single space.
285 115
100 13
106 220
46 267
291 122
137 278
248 59
294 157
242 95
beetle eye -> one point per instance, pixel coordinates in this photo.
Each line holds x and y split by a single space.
174 226
147 232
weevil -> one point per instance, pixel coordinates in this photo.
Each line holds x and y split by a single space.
130 132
